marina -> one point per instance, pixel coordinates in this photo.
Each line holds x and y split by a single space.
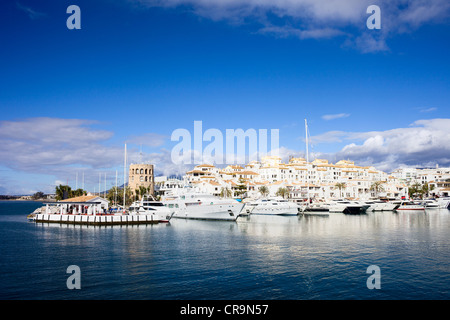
198 206
266 257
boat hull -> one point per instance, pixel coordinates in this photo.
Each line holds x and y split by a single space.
224 212
353 210
287 211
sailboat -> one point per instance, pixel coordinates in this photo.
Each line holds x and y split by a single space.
309 208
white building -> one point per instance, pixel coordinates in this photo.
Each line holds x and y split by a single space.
317 179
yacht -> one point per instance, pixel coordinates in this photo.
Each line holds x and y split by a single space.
274 206
409 205
429 204
444 203
380 205
314 208
149 206
189 204
346 206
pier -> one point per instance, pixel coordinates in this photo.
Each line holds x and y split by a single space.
88 210
96 220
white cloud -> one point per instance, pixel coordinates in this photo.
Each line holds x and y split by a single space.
428 110
31 13
59 149
319 19
423 143
335 116
287 31
47 145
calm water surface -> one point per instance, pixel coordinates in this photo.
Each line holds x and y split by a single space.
261 257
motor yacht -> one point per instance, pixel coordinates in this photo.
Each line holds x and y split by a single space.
410 206
274 206
380 205
346 206
149 206
190 204
444 203
429 204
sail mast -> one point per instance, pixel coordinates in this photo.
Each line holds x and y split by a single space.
307 159
124 176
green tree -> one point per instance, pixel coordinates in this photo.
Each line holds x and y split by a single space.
225 192
377 186
264 191
142 191
63 192
115 196
340 186
430 187
241 188
415 189
38 195
282 192
78 193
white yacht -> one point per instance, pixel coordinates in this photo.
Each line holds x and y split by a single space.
429 204
274 206
444 203
409 205
346 206
380 205
189 204
314 209
149 206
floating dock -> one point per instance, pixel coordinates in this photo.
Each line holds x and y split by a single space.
92 211
96 220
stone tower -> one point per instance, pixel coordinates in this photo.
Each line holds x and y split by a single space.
141 175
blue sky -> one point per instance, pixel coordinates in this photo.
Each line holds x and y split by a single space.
138 70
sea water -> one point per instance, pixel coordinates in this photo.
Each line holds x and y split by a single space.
254 258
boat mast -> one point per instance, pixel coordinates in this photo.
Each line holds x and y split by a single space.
105 186
124 175
307 159
115 193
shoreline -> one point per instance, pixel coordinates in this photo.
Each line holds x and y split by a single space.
30 200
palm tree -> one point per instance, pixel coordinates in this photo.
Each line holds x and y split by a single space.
264 191
142 191
340 186
115 195
282 192
414 189
377 187
63 192
225 192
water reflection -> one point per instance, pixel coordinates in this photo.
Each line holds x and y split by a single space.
256 257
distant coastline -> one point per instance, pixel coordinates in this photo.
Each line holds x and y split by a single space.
23 200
